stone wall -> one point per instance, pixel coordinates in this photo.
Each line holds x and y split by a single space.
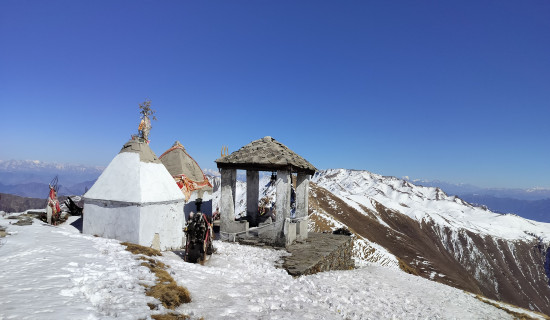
320 252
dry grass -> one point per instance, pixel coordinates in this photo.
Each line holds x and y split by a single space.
170 316
405 267
137 249
321 224
166 289
502 306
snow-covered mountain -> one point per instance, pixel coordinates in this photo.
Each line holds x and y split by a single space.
461 189
424 231
532 203
538 210
30 178
37 165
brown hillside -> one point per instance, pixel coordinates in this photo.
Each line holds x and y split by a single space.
499 269
12 203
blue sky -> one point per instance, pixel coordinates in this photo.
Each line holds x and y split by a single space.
450 90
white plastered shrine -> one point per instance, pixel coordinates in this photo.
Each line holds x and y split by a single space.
136 200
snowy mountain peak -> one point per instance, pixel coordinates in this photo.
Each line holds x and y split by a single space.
426 204
464 189
33 165
424 231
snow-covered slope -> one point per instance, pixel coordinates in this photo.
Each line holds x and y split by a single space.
440 237
427 204
57 273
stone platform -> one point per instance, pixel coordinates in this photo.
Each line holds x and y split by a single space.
320 252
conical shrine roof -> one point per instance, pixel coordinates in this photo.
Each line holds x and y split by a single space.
266 154
179 162
135 176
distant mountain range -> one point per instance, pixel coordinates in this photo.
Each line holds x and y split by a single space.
531 203
30 178
468 189
538 210
13 203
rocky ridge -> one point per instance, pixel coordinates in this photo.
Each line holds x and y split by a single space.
439 237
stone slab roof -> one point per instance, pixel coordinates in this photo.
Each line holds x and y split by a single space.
266 154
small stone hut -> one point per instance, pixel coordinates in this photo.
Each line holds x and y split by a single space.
135 199
266 154
190 178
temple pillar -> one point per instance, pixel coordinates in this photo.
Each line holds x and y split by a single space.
302 195
282 205
227 199
302 201
252 195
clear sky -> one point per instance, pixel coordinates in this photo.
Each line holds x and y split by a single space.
451 90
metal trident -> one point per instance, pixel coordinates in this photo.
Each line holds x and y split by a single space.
225 151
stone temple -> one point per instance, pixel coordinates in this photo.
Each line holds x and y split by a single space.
190 178
266 154
136 200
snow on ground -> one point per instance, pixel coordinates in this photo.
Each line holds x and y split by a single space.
245 285
54 273
57 273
